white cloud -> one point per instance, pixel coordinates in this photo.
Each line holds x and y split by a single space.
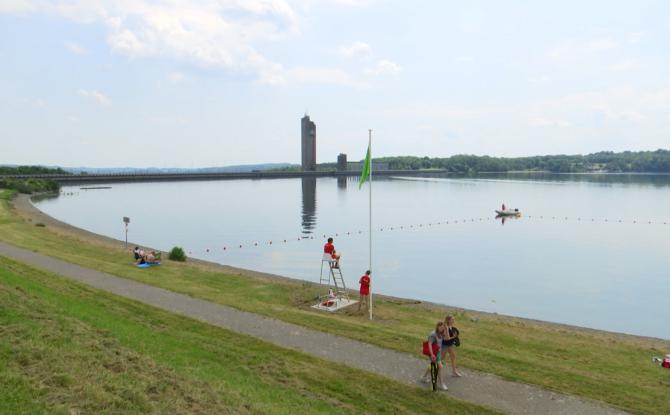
176 77
575 49
210 33
626 65
75 48
634 37
616 105
94 95
546 122
603 43
16 6
323 75
658 100
463 59
355 3
385 67
539 79
34 102
356 50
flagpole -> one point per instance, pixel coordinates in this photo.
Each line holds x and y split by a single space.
370 204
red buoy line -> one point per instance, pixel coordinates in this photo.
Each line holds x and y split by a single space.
282 241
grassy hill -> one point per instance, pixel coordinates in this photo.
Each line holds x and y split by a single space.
68 349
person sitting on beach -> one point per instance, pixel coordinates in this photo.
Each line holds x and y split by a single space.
136 253
152 257
331 300
329 249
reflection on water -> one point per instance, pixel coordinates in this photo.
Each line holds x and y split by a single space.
661 180
505 218
341 182
308 205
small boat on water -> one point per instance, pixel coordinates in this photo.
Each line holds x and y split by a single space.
508 212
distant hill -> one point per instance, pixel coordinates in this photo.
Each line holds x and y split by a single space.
245 168
657 161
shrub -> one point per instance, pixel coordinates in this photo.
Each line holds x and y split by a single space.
177 254
40 225
29 186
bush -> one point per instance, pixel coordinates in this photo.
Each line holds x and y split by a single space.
29 186
177 254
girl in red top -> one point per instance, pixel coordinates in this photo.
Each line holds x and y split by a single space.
365 289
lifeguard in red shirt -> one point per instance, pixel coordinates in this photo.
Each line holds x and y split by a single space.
365 289
329 249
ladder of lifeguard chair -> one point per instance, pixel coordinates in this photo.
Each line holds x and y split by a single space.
324 278
333 274
338 280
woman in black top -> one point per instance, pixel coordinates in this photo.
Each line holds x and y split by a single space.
449 343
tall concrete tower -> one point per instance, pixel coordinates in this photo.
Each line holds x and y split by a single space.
308 141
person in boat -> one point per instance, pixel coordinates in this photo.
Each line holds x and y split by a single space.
503 207
329 249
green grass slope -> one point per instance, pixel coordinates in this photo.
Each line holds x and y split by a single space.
69 349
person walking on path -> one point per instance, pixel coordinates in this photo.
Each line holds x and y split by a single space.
449 343
365 290
329 249
436 337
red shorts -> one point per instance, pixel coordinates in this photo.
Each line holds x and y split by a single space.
365 291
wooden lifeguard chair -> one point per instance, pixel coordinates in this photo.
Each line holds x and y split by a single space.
337 296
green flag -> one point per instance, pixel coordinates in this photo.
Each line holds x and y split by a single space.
365 173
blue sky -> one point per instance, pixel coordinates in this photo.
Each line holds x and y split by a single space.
219 82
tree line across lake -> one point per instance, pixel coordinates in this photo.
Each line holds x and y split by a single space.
606 161
603 162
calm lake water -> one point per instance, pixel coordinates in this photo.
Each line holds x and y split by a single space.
568 259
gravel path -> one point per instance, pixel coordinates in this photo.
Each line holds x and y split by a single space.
475 387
